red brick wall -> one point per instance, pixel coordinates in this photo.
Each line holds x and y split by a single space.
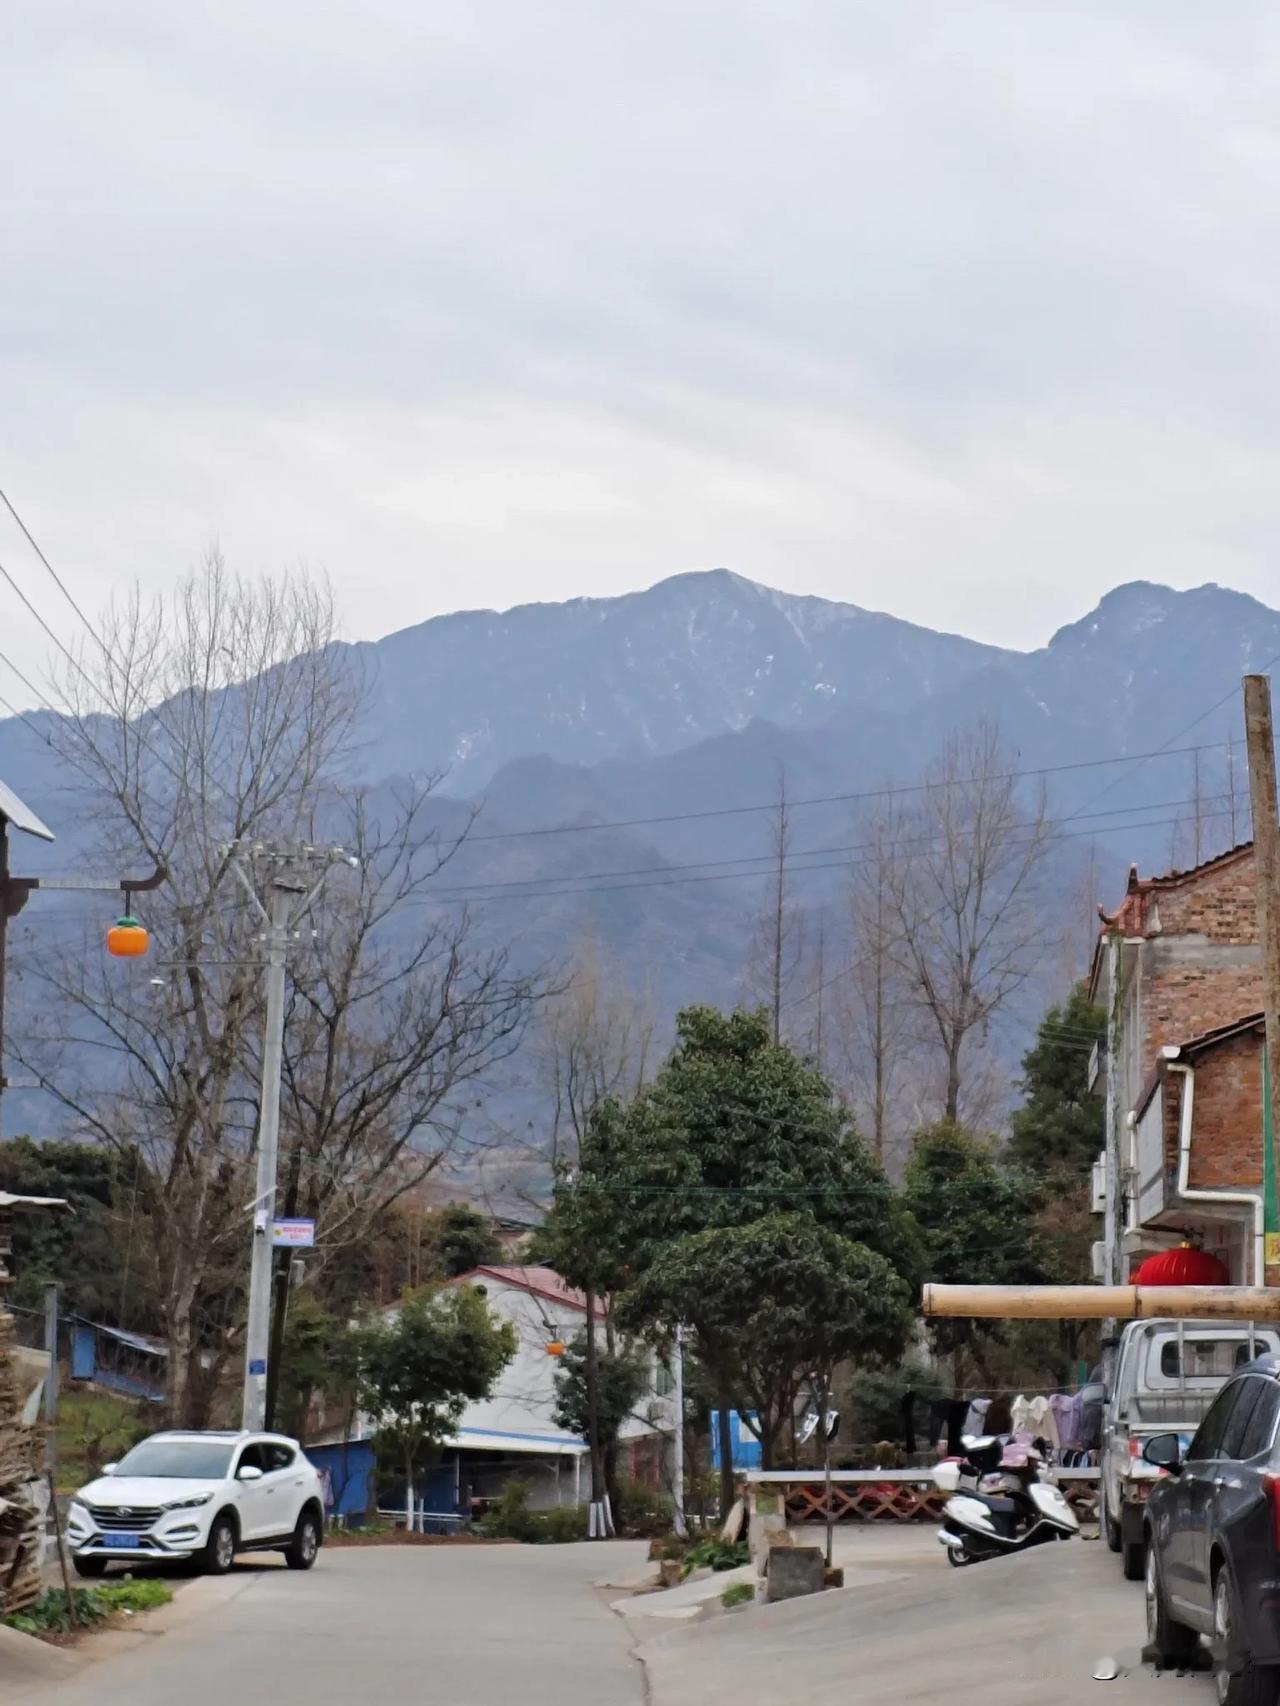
1226 1135
1217 904
1182 998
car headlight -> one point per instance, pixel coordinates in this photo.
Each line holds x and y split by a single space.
78 1504
188 1504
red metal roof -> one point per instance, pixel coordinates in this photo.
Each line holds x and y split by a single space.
542 1282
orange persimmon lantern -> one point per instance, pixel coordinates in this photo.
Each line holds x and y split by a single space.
126 938
555 1348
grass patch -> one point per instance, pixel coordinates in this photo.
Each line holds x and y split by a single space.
51 1614
145 1594
737 1593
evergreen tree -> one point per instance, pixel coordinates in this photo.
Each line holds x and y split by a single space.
977 1216
1059 1124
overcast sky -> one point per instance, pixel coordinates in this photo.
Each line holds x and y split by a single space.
965 311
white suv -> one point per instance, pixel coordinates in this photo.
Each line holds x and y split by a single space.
204 1496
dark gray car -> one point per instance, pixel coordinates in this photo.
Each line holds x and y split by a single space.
1213 1539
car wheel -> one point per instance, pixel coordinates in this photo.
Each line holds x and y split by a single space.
1134 1562
300 1553
90 1568
1110 1527
1169 1643
1238 1681
220 1549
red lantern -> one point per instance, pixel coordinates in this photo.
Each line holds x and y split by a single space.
556 1348
126 938
1184 1266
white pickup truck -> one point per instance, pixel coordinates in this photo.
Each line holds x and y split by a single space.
1167 1373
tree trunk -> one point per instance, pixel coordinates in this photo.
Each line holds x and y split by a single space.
951 1109
408 1490
180 1348
724 1400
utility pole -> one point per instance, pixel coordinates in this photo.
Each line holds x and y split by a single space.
1261 750
1113 1218
51 1379
677 1438
292 877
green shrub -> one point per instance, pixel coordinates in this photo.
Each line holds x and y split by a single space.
737 1593
511 1519
716 1555
643 1512
568 1522
50 1615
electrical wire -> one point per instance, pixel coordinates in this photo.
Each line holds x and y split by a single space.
887 792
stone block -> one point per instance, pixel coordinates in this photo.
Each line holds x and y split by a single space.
794 1571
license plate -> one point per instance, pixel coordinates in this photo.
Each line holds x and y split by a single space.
129 1542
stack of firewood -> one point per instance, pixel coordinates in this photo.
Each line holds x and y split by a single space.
22 1493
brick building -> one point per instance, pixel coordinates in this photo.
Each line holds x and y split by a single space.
1189 1060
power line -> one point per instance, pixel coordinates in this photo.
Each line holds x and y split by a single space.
466 893
769 860
57 578
886 792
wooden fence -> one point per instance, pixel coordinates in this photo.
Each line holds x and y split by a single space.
889 1495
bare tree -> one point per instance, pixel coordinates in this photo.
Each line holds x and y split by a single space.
219 713
223 715
877 1019
393 1014
962 863
595 1041
776 955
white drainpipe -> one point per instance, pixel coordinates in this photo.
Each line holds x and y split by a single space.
1253 1199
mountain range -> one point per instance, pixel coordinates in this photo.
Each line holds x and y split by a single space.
681 706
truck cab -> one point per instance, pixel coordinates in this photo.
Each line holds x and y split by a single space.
1167 1373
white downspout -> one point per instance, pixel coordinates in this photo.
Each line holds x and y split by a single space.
1253 1199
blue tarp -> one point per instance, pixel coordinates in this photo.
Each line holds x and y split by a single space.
746 1447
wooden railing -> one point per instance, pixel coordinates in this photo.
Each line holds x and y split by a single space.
889 1495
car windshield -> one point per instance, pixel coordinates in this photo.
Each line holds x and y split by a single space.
178 1459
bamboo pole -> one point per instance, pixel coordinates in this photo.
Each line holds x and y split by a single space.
1093 1302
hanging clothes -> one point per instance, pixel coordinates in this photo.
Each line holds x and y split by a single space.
975 1421
1068 1416
1034 1416
957 1410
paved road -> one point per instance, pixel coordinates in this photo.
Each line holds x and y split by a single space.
1009 1633
384 1626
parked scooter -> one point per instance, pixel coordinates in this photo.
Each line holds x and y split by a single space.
1001 1505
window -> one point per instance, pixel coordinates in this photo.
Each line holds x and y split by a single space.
1207 1359
1262 1423
1233 1434
277 1456
177 1459
1210 1431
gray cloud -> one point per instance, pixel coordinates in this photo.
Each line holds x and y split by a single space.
963 311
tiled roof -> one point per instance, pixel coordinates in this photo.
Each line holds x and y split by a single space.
542 1282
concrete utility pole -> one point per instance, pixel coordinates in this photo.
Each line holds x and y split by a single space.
1113 1217
677 1438
1260 746
292 877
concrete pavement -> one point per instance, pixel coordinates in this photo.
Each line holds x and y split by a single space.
997 1634
380 1626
